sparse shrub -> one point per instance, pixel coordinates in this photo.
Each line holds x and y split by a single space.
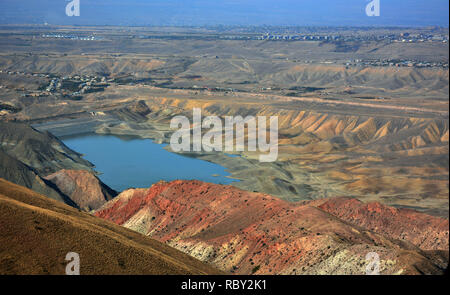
255 269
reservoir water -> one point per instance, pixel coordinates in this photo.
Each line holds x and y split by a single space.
126 162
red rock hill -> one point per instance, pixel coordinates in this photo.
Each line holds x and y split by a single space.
246 232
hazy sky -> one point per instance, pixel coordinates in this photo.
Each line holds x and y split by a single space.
228 12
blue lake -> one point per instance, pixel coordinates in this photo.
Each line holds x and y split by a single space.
133 162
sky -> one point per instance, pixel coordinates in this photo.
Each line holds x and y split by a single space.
227 12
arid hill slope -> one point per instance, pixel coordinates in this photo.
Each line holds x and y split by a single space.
28 156
40 150
37 233
246 232
425 231
379 151
17 172
82 187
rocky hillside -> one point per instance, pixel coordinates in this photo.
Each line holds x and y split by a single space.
40 150
245 233
17 172
424 231
41 162
37 233
82 187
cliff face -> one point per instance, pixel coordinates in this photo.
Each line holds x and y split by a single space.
246 232
82 187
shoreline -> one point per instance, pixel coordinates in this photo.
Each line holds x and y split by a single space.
69 129
251 175
283 179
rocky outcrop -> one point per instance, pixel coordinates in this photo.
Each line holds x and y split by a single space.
134 112
247 233
82 187
28 155
40 150
21 174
